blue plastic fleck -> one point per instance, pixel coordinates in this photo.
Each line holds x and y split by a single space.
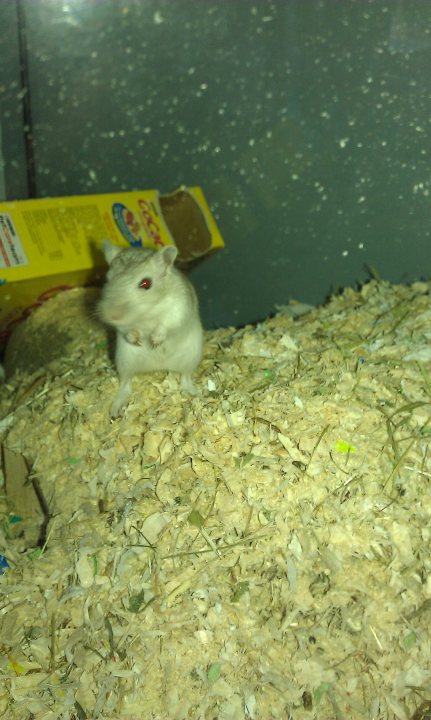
3 564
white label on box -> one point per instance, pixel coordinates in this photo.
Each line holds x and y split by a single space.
11 249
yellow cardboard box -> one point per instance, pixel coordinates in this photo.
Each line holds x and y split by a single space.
53 244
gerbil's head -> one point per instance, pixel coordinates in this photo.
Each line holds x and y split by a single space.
137 281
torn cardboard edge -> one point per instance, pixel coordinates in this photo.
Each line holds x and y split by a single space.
28 508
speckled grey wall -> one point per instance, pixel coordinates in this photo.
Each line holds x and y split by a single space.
307 122
13 179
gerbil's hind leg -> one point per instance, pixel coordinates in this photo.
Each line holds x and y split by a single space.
121 398
187 385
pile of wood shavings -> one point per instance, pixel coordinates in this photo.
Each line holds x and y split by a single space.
261 550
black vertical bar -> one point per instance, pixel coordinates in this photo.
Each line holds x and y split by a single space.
26 100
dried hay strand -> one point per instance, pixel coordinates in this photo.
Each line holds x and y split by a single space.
259 551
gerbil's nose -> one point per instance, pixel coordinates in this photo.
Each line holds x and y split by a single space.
110 315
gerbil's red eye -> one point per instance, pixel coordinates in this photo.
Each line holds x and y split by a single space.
146 283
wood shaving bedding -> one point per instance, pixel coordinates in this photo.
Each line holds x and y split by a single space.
259 551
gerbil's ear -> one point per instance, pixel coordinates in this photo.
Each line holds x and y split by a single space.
168 255
110 250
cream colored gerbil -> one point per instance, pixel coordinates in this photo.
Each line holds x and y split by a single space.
154 309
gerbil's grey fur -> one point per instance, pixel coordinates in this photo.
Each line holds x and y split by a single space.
154 309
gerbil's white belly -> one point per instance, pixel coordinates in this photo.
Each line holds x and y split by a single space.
180 355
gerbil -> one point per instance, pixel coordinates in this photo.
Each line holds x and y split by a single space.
154 309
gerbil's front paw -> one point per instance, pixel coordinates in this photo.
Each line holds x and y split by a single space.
133 337
157 339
